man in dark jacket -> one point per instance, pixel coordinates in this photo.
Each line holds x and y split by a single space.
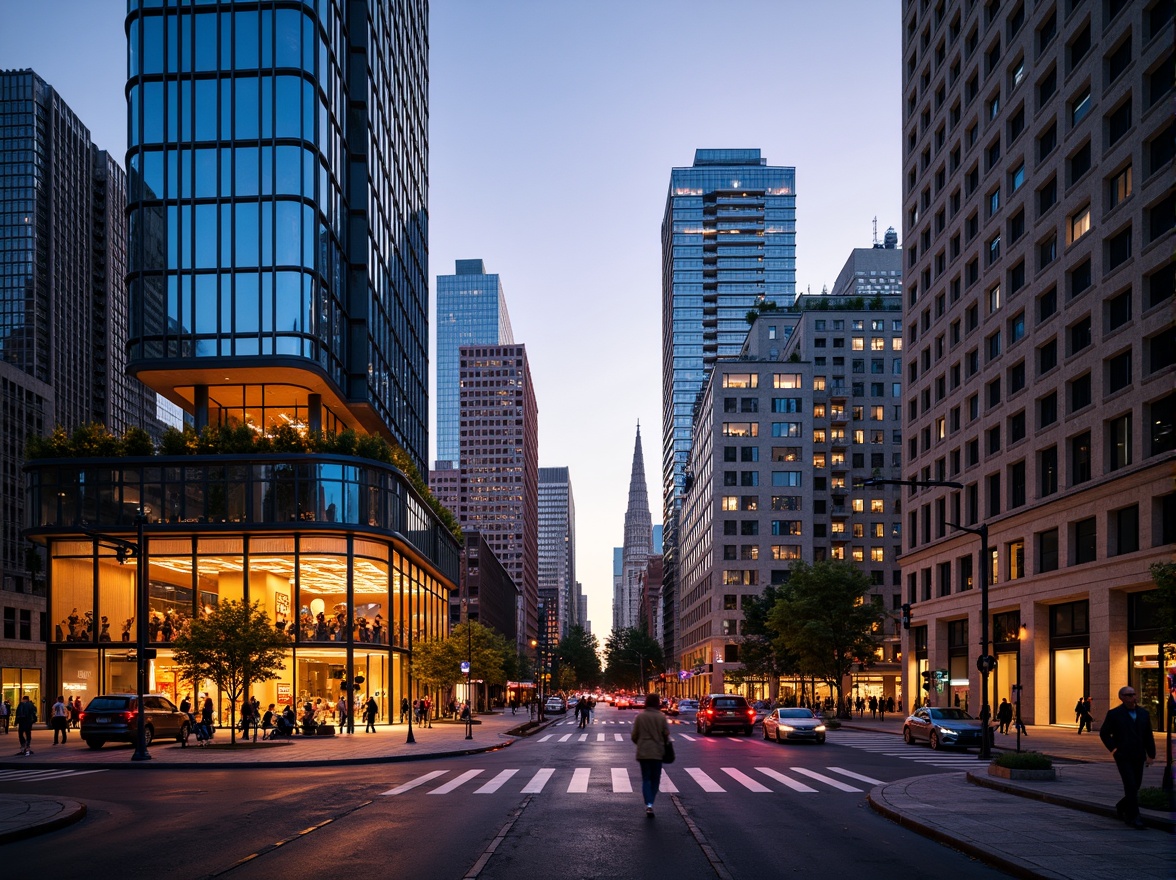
1127 734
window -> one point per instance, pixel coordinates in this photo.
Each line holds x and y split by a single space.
1080 278
1046 141
1119 442
1079 224
1079 163
1125 530
1118 122
1016 555
1017 178
1079 389
1085 541
1119 371
1047 551
1047 304
1160 217
1119 310
1047 252
1017 277
1047 357
1046 88
1047 410
1161 422
1080 106
994 249
1047 31
1118 249
1118 61
1078 47
1017 123
1047 471
1080 458
1120 187
1047 196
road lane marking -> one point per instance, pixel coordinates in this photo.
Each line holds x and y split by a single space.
857 776
828 780
667 784
583 737
496 783
420 780
745 780
787 780
455 783
619 738
703 780
579 783
620 781
687 736
544 739
538 781
600 737
565 737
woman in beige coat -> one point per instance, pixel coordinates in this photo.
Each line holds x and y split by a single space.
651 733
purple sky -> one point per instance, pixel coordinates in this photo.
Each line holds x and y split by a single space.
553 129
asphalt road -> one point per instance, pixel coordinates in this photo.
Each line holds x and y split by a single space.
566 803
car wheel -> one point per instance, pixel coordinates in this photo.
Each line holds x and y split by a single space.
182 736
698 727
766 731
148 735
95 743
749 731
907 736
934 742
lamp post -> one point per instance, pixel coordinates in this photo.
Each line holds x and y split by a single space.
411 740
465 604
1022 634
985 662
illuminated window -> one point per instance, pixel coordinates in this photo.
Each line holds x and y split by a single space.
877 343
838 459
858 505
783 552
858 343
859 555
877 554
896 343
878 413
818 435
740 429
741 380
838 527
859 436
730 502
878 530
837 552
1079 224
786 380
818 459
818 410
818 383
877 505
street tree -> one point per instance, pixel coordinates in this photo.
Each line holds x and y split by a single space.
579 660
234 645
825 616
631 656
438 663
761 656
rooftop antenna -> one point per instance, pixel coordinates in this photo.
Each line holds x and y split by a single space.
875 230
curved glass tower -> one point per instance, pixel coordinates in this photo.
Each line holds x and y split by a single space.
278 213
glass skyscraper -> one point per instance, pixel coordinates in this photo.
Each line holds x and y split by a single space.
471 310
278 213
728 242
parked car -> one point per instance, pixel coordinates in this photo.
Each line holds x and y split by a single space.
942 727
794 724
555 706
724 712
115 718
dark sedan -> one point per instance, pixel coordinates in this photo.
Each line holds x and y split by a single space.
942 727
115 718
793 724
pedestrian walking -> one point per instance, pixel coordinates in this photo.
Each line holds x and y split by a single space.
26 717
426 706
652 736
341 710
1078 713
370 712
5 712
75 712
404 707
59 720
1127 734
1086 718
206 712
1004 715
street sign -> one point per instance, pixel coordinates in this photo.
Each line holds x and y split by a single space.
465 667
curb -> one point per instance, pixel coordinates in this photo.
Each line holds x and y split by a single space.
1156 820
75 811
987 856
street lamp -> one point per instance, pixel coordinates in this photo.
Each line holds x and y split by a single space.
985 662
465 604
1022 634
538 680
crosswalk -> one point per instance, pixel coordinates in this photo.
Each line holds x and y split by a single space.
892 747
41 775
617 780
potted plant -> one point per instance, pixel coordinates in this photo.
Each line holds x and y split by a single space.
1026 766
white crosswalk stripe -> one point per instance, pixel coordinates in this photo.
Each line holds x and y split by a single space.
620 781
41 775
883 744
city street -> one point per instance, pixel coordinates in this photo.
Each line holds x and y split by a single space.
566 800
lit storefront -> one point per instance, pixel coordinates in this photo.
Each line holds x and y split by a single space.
341 554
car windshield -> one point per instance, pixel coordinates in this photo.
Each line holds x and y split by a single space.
795 713
950 715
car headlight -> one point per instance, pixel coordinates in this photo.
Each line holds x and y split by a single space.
947 731
787 727
820 728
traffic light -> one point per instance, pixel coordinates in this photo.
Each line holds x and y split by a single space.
927 680
906 615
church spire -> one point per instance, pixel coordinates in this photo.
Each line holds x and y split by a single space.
638 546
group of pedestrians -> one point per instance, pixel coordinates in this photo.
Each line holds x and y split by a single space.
585 710
1084 715
1005 716
878 706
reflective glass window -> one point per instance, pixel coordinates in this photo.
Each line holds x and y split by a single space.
245 171
206 41
286 104
245 26
287 38
152 44
246 310
205 173
206 237
152 112
204 108
288 233
245 234
246 109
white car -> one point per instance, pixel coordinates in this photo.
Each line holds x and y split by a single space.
555 706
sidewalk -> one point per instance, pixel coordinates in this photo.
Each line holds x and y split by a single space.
1049 830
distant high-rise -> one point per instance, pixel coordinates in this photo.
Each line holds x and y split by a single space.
728 242
496 488
471 310
557 544
871 272
62 315
637 548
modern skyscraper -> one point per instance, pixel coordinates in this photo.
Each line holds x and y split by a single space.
557 544
290 250
62 321
638 545
496 489
1039 227
728 242
471 310
277 268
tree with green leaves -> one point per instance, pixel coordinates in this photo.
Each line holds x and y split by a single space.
825 616
632 657
579 660
234 645
438 663
760 654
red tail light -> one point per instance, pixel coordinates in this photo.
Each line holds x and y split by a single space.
751 713
710 711
128 717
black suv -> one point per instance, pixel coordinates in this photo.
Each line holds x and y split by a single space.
724 712
115 718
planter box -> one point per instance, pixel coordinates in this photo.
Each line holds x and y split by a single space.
1024 775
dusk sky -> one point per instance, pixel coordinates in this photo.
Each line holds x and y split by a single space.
553 129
